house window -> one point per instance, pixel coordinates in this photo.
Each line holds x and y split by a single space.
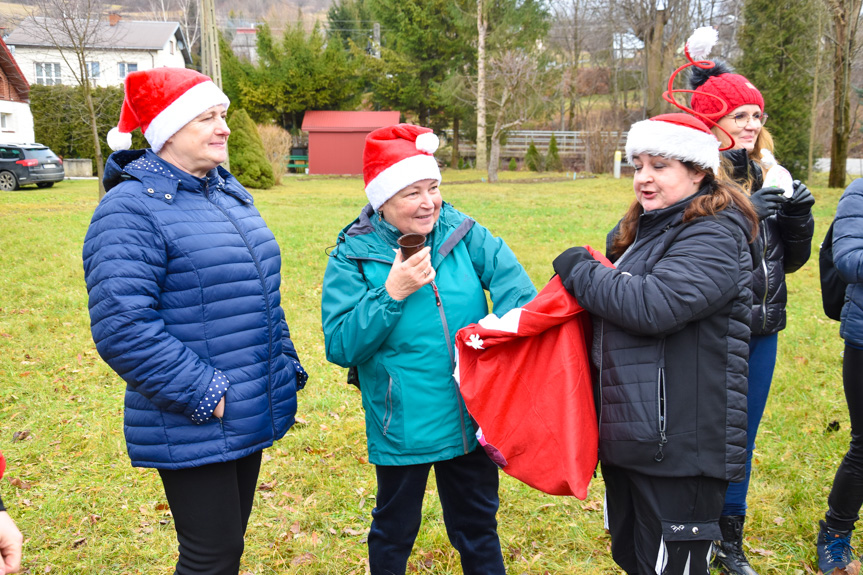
48 73
5 121
124 68
172 47
93 72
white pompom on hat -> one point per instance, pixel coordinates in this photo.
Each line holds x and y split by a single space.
160 102
678 136
395 157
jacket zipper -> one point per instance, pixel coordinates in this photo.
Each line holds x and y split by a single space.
766 280
661 415
388 411
266 304
452 364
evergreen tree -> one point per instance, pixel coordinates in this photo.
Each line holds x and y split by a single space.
552 156
513 165
301 72
777 40
532 159
249 162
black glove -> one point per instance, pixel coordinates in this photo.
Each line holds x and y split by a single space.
766 201
566 262
800 203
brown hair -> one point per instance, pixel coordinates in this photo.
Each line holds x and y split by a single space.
722 193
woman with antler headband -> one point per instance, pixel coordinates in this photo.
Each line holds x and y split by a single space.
785 229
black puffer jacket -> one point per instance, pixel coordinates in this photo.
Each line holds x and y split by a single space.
672 325
786 243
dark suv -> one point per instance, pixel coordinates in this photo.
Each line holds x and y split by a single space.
22 164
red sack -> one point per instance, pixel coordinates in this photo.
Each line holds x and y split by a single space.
526 380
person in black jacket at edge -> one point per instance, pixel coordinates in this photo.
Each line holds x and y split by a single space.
11 540
670 346
785 235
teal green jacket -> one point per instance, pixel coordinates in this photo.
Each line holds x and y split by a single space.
404 350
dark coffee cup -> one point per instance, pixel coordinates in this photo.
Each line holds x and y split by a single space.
411 244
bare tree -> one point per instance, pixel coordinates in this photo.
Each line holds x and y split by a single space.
663 26
73 27
482 31
514 77
186 12
845 16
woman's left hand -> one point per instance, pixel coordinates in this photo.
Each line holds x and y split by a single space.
220 409
565 262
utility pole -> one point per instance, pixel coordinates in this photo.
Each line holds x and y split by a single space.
211 64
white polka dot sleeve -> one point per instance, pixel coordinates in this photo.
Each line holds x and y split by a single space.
218 388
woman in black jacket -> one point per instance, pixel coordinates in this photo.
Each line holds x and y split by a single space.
671 332
785 235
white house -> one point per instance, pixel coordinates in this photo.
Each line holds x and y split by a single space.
118 47
16 121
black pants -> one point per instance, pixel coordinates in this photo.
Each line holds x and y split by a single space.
846 495
211 505
662 525
467 486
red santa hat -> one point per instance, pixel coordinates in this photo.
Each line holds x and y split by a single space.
395 157
160 102
679 136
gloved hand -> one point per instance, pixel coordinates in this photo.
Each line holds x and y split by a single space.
766 201
800 203
566 262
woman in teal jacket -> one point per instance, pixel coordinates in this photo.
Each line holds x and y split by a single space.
395 320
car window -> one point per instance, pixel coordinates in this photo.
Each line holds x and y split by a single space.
41 153
10 153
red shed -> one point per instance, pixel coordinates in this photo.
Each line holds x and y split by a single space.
336 139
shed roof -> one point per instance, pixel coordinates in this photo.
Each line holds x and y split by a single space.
124 35
13 72
338 121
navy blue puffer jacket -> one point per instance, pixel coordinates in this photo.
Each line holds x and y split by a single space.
848 259
183 276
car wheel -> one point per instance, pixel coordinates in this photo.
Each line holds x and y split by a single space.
8 181
44 184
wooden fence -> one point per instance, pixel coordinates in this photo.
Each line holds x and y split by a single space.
568 143
592 151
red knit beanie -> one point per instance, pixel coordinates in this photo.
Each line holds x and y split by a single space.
733 88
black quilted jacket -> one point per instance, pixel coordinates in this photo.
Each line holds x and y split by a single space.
672 335
785 244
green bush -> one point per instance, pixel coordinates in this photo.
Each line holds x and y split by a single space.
552 157
61 120
513 165
249 162
532 159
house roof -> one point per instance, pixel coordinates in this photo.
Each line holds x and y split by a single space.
13 72
333 121
125 35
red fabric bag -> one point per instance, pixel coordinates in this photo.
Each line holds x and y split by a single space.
526 380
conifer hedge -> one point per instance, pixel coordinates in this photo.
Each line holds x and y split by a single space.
249 163
61 121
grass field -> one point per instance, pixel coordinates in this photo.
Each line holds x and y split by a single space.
84 509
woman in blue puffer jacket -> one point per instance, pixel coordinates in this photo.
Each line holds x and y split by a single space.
183 277
835 553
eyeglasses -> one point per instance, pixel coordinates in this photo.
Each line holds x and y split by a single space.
742 119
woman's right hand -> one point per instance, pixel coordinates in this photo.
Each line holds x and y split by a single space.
408 276
220 409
